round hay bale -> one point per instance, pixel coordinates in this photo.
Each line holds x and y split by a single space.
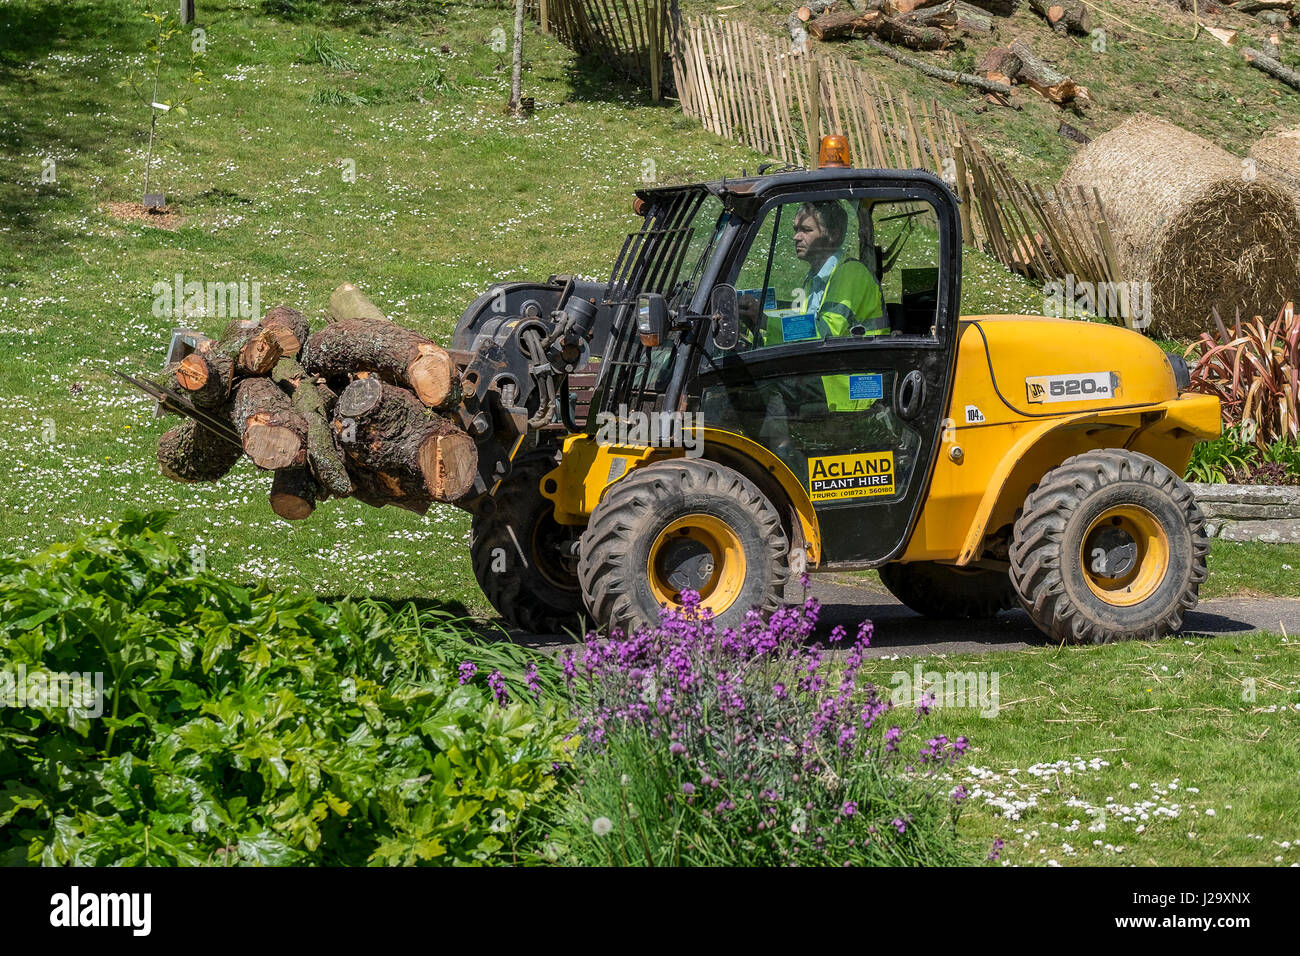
1186 219
1279 156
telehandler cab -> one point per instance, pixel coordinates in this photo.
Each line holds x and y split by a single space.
716 418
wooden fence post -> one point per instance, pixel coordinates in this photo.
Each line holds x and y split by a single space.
814 108
187 12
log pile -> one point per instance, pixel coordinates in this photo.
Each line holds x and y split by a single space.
361 408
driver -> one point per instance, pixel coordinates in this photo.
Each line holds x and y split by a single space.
841 293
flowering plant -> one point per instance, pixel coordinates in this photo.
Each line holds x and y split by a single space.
751 746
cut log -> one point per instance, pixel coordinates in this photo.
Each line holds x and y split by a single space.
1045 79
272 433
204 377
1255 6
403 453
938 73
1264 62
293 493
258 355
189 452
972 19
1064 16
838 26
349 302
942 16
896 8
324 457
1000 65
794 23
398 355
290 328
1000 8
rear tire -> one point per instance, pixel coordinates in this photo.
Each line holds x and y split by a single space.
536 590
1111 546
676 525
947 592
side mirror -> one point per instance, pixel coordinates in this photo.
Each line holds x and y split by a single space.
726 317
651 318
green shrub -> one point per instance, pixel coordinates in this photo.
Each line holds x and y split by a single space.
244 726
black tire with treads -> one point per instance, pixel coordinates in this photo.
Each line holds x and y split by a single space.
540 600
616 545
947 592
1046 551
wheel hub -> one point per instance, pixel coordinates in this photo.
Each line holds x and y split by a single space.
1125 555
699 553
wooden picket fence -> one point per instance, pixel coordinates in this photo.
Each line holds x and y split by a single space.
630 35
754 89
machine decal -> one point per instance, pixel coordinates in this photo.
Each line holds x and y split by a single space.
797 327
973 415
840 477
1080 387
866 386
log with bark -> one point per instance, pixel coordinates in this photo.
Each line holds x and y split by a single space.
938 72
265 386
1274 68
396 354
1064 16
404 453
1045 79
899 31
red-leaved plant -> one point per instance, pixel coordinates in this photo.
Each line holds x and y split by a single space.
1254 370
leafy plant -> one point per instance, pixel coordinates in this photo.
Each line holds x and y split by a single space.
336 98
166 29
320 49
1254 369
746 748
245 726
1215 462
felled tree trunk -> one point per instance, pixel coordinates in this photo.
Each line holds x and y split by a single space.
835 26
400 452
190 452
1274 68
272 433
396 354
1064 16
307 400
293 493
1000 65
1045 79
349 302
999 8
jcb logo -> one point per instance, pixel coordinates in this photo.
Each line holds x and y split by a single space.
1035 391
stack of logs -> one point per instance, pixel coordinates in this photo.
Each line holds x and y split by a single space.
362 408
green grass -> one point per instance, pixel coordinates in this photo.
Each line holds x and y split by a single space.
1173 717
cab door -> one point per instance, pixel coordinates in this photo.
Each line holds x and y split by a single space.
844 372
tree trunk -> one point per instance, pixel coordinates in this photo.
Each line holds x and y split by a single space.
834 26
1000 65
517 70
272 433
323 455
397 355
1262 61
401 452
190 452
1045 79
939 73
293 493
1064 16
1000 8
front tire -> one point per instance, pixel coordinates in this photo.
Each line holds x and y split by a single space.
523 558
677 525
947 592
1111 546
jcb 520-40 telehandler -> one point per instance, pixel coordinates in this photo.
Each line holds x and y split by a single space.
776 378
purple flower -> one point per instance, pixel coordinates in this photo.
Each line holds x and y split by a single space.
467 671
676 748
960 794
899 825
530 678
849 808
997 848
498 685
688 788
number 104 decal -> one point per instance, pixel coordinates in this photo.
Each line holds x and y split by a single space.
1079 387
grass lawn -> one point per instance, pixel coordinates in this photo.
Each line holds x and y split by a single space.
1177 753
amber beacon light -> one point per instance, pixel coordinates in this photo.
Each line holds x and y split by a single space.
834 153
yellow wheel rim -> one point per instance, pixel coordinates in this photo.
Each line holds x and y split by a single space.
1125 555
701 553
